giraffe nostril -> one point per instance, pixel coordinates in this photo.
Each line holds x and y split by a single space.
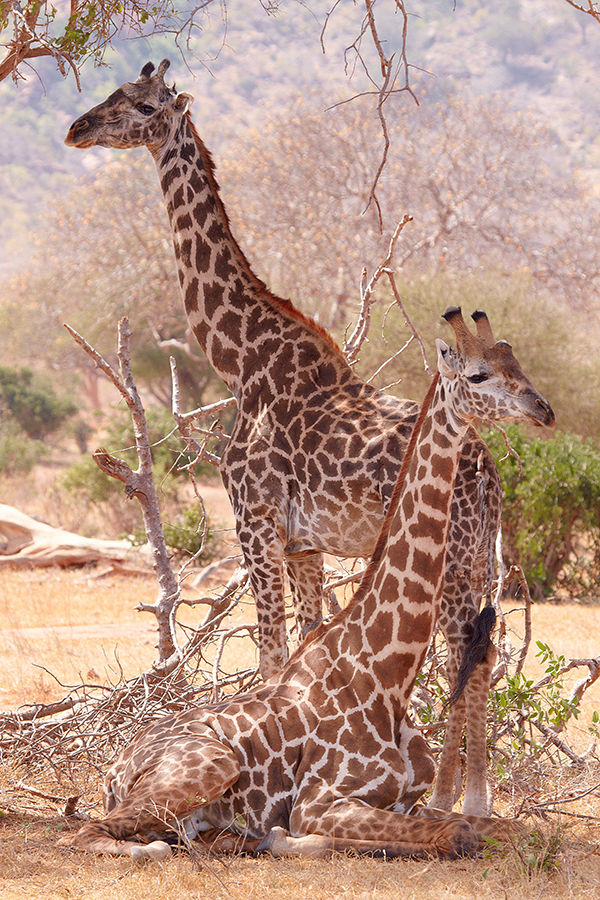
79 124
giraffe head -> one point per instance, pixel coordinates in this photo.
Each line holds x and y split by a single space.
485 378
145 112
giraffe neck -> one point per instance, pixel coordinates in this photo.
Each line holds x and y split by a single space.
230 310
387 627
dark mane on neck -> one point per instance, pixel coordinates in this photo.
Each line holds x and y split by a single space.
286 307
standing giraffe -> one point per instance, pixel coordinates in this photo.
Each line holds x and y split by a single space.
314 452
323 755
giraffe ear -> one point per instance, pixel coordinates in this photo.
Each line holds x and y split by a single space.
182 103
446 359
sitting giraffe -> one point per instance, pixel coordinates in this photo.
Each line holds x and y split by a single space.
314 452
323 755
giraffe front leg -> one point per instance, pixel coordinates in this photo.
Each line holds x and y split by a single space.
306 575
353 825
96 837
472 706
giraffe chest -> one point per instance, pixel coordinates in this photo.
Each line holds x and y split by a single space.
291 752
267 736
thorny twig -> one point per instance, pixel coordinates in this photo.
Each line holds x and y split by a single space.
505 655
557 801
367 295
185 422
510 451
408 323
591 8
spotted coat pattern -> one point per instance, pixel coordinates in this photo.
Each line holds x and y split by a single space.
315 451
323 754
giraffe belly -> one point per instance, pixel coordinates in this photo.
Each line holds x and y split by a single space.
342 530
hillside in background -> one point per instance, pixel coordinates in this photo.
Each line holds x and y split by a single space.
542 53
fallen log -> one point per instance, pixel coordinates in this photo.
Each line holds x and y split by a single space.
26 542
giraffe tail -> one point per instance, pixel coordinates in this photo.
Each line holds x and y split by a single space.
476 650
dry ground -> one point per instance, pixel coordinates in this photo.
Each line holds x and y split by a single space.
80 627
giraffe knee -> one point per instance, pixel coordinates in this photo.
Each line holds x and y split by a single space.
456 838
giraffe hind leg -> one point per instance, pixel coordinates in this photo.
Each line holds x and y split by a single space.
176 784
306 575
468 700
476 651
478 800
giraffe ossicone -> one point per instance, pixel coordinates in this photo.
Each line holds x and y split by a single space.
314 452
323 755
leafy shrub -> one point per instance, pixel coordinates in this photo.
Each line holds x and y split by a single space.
32 403
168 456
18 453
551 515
524 705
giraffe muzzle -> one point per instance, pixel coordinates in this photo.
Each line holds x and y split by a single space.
547 418
75 137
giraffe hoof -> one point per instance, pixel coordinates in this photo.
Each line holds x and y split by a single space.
157 850
275 842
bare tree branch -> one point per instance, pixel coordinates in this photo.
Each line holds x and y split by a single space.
367 296
140 484
393 77
591 8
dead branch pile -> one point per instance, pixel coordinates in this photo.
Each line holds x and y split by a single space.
86 730
92 723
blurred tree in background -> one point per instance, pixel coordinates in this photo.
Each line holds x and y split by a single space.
30 411
100 260
478 179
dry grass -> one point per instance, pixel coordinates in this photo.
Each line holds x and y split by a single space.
82 628
73 623
32 866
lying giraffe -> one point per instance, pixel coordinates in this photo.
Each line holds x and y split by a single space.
323 755
315 451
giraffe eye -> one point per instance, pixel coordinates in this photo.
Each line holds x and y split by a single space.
478 378
146 109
